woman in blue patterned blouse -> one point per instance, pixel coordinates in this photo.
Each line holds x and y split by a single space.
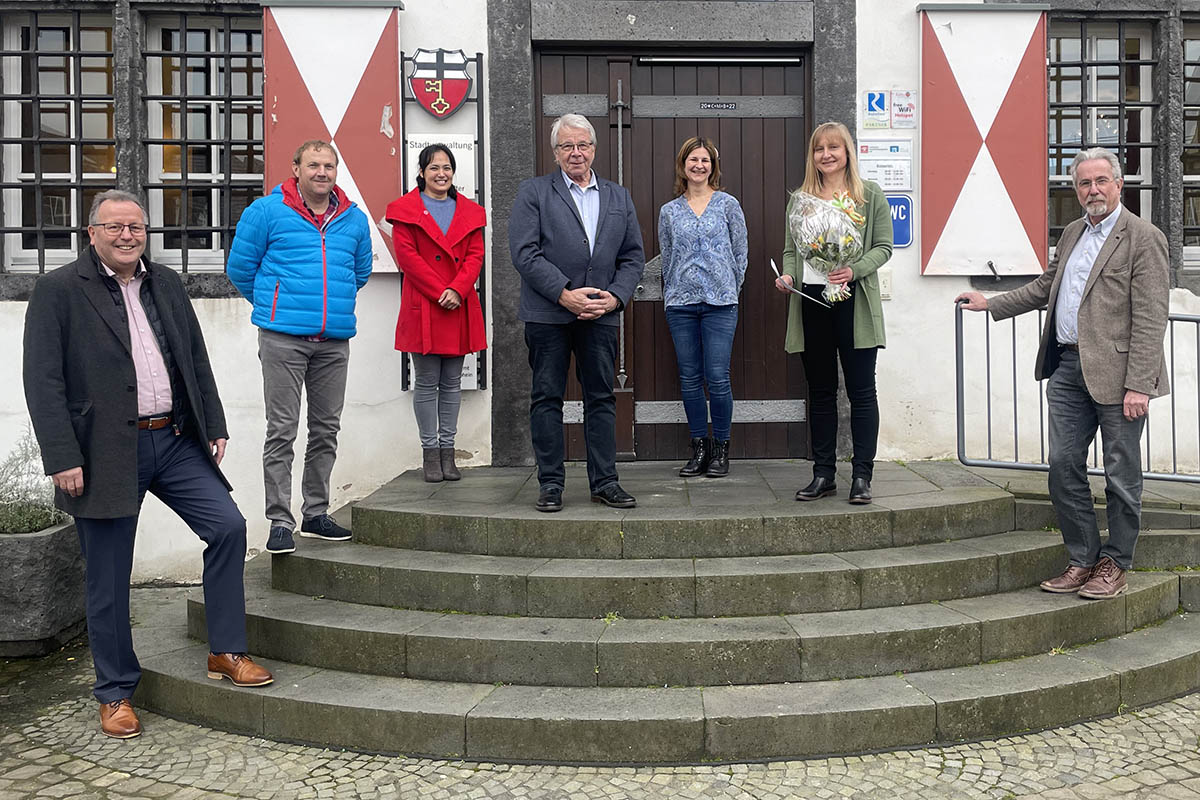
702 238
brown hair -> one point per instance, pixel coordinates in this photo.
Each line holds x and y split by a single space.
695 143
812 176
314 144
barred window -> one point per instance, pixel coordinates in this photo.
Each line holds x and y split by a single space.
1101 94
1191 141
205 123
57 125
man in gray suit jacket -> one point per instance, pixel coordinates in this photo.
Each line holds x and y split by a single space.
1102 350
575 240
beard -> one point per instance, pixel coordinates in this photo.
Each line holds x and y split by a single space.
1097 208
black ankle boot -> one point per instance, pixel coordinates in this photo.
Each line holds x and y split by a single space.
718 466
701 454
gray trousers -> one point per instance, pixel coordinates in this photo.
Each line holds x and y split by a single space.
1074 419
437 396
289 363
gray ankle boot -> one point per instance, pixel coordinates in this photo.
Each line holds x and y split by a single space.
449 468
432 463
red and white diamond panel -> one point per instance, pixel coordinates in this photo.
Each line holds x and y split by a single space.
983 142
334 74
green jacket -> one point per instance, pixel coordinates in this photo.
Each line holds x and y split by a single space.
868 308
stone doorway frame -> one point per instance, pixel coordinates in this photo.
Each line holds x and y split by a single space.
826 27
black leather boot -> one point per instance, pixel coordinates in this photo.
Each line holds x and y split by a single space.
701 454
718 466
860 491
820 487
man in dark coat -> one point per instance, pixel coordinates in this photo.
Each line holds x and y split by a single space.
123 399
575 240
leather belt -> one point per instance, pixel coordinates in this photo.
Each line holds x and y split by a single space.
1074 347
155 423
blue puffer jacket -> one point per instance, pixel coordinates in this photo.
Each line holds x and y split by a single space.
300 279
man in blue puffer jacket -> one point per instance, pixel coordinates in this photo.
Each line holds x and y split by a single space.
299 256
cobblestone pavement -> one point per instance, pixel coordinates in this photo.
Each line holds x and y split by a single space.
51 746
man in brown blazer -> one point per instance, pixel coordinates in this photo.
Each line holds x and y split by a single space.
1102 351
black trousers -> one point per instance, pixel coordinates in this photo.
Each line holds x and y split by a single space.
595 349
828 337
177 471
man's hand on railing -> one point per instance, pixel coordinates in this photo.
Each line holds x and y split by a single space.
1136 404
972 301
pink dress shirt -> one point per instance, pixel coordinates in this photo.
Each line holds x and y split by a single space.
153 382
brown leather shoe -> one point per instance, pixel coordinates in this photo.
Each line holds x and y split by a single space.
119 720
1069 581
239 668
1108 580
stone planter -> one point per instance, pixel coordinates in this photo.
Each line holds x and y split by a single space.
42 592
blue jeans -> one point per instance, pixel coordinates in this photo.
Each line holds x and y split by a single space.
703 336
1074 419
595 349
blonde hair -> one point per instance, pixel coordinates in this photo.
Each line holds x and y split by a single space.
813 181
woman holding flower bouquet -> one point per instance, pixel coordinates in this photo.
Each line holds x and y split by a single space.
702 238
839 233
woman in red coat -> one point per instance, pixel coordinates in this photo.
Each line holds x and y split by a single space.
438 238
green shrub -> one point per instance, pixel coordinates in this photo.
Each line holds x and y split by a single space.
27 517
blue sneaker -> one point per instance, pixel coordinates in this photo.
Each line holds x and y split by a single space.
323 527
280 541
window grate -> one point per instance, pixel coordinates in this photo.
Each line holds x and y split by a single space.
57 135
205 132
1101 79
1191 134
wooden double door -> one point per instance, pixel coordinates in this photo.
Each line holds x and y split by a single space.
643 107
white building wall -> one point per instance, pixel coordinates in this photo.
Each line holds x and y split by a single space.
916 372
379 435
379 440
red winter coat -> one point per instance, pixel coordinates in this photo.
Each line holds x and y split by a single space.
433 262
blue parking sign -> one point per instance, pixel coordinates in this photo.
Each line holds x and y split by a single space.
902 219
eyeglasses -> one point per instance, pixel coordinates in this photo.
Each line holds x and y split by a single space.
1099 183
115 228
567 147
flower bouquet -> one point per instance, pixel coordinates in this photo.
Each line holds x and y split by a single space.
828 235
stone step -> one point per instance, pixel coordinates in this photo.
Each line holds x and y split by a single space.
490 514
645 588
673 725
1034 514
683 652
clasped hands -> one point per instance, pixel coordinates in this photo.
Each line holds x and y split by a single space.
587 302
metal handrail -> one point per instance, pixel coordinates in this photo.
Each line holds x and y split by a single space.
1041 466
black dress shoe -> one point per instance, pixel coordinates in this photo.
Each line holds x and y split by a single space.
614 497
860 491
549 499
820 487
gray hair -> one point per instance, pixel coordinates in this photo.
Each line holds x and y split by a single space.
117 196
1097 154
571 121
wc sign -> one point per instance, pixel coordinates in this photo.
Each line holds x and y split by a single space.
902 219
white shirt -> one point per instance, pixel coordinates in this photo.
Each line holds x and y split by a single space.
1077 268
587 202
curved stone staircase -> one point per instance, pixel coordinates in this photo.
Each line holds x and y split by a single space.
720 620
